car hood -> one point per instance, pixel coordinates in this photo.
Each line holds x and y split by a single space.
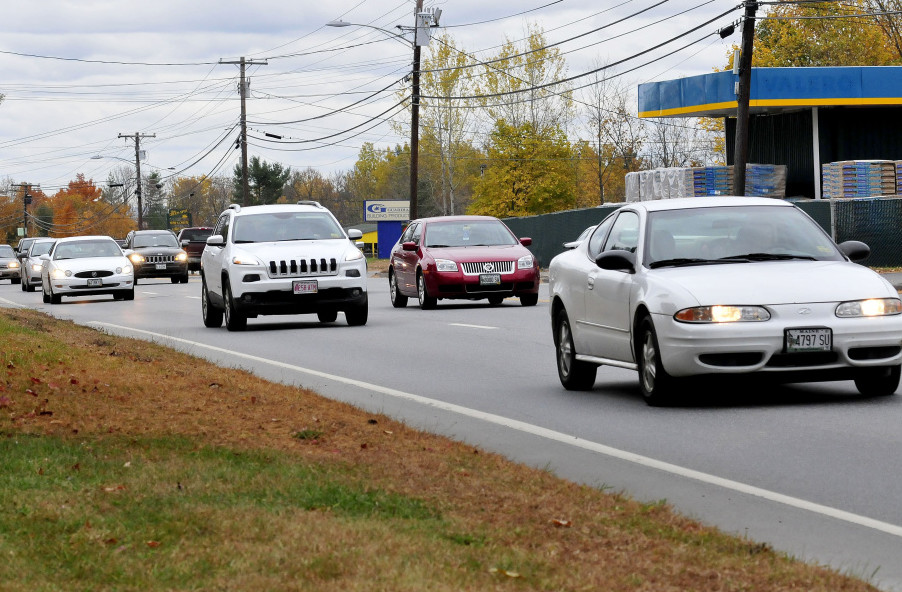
89 263
488 253
156 250
777 282
303 249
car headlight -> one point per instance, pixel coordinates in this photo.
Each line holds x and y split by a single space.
136 258
353 254
183 256
722 314
36 267
445 265
59 274
526 262
874 307
124 270
13 265
245 259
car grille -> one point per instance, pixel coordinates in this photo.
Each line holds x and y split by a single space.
478 267
159 258
302 267
93 274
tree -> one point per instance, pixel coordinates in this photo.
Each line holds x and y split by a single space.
531 173
266 182
890 22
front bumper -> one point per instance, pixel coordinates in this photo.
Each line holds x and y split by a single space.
255 293
9 274
157 270
745 348
457 285
79 286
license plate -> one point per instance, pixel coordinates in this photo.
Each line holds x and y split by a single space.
161 266
489 279
814 339
305 287
95 282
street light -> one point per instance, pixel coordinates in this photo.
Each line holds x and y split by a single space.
420 37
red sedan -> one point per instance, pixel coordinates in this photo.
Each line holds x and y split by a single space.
462 257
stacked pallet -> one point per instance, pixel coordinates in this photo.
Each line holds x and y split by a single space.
765 180
859 178
708 180
898 164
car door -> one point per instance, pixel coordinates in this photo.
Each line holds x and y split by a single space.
607 296
211 259
405 262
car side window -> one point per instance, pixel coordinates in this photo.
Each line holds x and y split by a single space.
417 233
408 233
598 236
222 226
624 235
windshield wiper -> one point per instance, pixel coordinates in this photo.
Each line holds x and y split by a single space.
684 261
768 257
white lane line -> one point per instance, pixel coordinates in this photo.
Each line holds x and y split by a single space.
470 326
193 297
535 430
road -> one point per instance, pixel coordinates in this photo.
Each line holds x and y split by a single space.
812 470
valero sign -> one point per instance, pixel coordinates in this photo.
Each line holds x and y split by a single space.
384 211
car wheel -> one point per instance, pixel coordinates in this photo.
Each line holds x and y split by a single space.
15 281
575 375
130 295
175 280
212 315
357 316
55 298
184 278
327 316
30 287
496 300
234 320
24 286
878 382
427 302
398 300
45 295
529 299
655 383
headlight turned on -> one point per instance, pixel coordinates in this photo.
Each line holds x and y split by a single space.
722 314
875 307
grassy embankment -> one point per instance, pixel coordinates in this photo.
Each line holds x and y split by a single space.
128 466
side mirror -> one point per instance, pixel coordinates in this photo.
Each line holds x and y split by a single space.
855 250
185 243
216 240
409 246
355 234
617 261
572 244
44 257
525 241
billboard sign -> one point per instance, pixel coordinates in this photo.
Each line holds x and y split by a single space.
385 211
179 218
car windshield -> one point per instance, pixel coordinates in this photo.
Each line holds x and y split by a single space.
198 235
87 248
7 252
41 248
468 234
285 226
154 240
734 234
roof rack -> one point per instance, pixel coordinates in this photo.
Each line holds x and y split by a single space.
235 207
310 202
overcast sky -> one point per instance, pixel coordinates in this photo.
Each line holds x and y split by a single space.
77 74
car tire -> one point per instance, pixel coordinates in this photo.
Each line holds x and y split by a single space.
175 280
55 298
398 300
878 382
24 286
212 315
45 296
575 375
656 385
184 278
357 316
496 300
234 320
130 295
15 281
529 299
327 316
427 302
29 287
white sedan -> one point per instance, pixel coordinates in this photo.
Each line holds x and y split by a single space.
86 266
722 286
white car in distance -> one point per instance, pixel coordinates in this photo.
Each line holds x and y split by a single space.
730 286
86 266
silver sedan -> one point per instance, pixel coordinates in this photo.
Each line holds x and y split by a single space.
750 287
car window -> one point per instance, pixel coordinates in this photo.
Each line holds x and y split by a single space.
222 227
154 240
87 249
468 234
417 233
41 248
624 235
597 239
407 236
7 251
285 226
196 235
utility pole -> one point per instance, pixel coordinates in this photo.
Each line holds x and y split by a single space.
26 201
415 116
741 149
243 87
137 138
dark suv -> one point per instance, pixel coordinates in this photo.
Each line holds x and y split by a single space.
193 240
156 253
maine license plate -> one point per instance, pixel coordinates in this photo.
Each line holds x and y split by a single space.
95 282
305 287
161 266
489 279
814 339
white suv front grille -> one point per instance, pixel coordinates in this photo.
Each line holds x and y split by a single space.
476 268
302 267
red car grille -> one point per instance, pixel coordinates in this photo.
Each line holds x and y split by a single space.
478 267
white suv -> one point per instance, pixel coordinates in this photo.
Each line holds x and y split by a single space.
279 260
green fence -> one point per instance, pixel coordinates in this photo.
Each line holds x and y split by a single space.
876 221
